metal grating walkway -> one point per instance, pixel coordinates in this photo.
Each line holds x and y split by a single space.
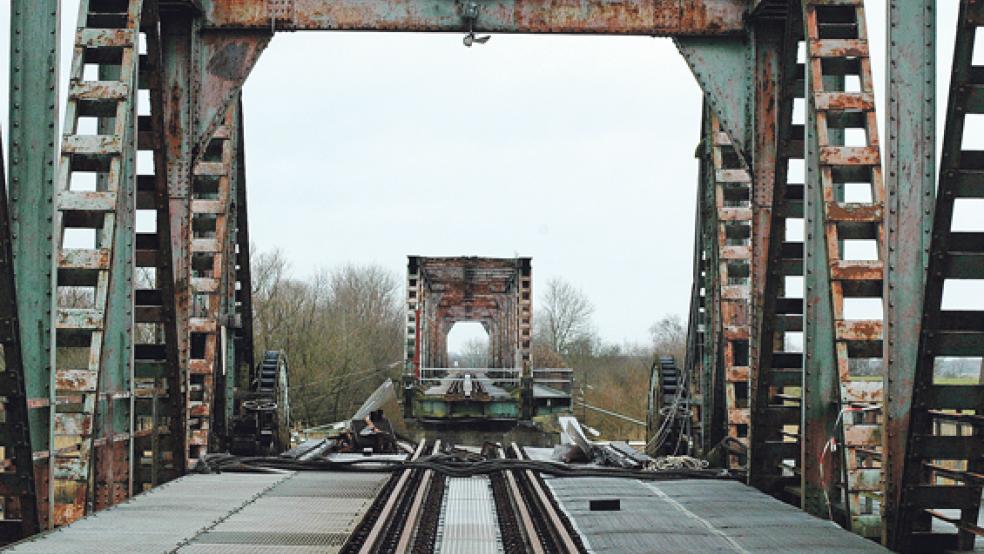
230 512
468 520
696 516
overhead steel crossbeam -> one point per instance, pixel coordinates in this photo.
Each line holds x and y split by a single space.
627 17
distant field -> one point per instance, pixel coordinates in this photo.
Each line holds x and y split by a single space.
957 381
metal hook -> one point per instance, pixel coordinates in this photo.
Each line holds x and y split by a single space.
471 15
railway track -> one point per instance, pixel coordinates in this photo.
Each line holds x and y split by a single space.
417 511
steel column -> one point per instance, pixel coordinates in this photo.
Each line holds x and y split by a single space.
34 61
820 396
178 39
940 475
910 182
244 292
845 202
18 491
713 412
777 380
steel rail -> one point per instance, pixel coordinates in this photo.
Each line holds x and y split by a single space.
559 530
522 510
378 528
410 525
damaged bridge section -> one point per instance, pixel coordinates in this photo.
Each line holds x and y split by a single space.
495 292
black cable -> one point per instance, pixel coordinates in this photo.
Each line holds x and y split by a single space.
447 465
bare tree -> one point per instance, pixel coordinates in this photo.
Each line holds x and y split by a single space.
565 316
342 331
473 353
669 336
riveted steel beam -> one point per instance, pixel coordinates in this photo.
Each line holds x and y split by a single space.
938 474
845 203
724 69
910 175
226 58
713 412
34 40
20 496
627 17
178 39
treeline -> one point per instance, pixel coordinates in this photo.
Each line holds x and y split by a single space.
611 376
343 331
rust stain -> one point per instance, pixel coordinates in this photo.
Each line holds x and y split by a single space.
643 17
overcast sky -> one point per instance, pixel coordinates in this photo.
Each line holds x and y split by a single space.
576 151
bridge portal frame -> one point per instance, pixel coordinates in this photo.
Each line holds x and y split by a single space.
734 50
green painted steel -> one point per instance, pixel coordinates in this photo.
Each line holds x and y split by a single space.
820 395
178 34
938 475
910 183
33 135
713 412
724 69
114 408
437 407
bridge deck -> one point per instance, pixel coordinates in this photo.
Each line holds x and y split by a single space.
307 512
695 516
303 512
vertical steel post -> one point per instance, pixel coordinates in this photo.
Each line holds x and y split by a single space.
910 182
34 41
177 32
820 395
768 43
714 412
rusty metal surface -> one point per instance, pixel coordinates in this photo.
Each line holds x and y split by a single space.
939 477
774 456
158 450
33 138
93 313
852 448
493 291
210 205
733 201
638 17
227 57
910 182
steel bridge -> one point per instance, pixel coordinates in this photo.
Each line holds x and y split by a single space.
123 349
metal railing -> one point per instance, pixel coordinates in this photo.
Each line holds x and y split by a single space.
560 378
498 375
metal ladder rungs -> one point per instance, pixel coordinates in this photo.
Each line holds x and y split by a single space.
92 145
98 91
87 201
105 38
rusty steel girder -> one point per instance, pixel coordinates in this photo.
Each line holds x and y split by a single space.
627 17
445 291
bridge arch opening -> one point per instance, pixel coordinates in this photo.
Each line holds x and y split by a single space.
468 345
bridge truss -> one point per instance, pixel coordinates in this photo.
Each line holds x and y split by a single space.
814 330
